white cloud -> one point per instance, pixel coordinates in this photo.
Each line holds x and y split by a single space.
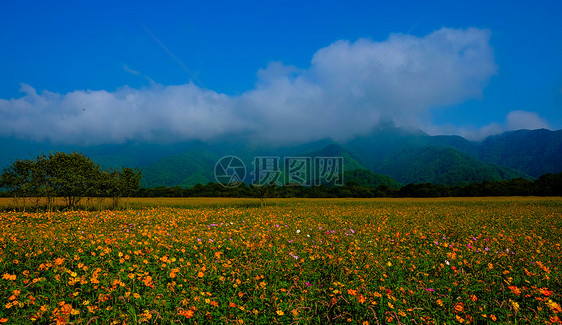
514 120
287 104
478 134
517 120
93 117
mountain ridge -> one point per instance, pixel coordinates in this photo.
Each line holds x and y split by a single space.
405 156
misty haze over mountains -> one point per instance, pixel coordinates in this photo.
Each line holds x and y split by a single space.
407 156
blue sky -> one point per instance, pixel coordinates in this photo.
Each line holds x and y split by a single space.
90 72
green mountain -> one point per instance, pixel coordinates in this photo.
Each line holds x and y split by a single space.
535 152
412 156
446 166
367 178
404 156
186 170
334 150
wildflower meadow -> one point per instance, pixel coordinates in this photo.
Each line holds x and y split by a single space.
358 261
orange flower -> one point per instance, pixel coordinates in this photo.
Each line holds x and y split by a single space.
187 313
8 276
3 320
59 261
231 305
545 291
459 307
361 299
515 290
352 292
148 282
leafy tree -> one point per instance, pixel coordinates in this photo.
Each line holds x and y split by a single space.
17 179
126 182
72 176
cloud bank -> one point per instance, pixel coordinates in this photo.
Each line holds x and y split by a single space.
287 104
514 120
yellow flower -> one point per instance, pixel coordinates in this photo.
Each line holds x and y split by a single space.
515 305
280 312
555 307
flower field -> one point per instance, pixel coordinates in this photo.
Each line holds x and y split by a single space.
290 261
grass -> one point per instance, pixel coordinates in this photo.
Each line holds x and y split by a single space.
371 261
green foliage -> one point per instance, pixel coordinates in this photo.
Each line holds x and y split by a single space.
72 176
546 185
367 178
535 152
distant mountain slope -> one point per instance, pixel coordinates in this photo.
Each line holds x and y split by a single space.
446 166
535 152
415 157
334 150
188 169
405 156
353 170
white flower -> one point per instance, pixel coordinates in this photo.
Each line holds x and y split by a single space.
447 262
298 231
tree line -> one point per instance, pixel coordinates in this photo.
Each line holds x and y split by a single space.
546 185
72 176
